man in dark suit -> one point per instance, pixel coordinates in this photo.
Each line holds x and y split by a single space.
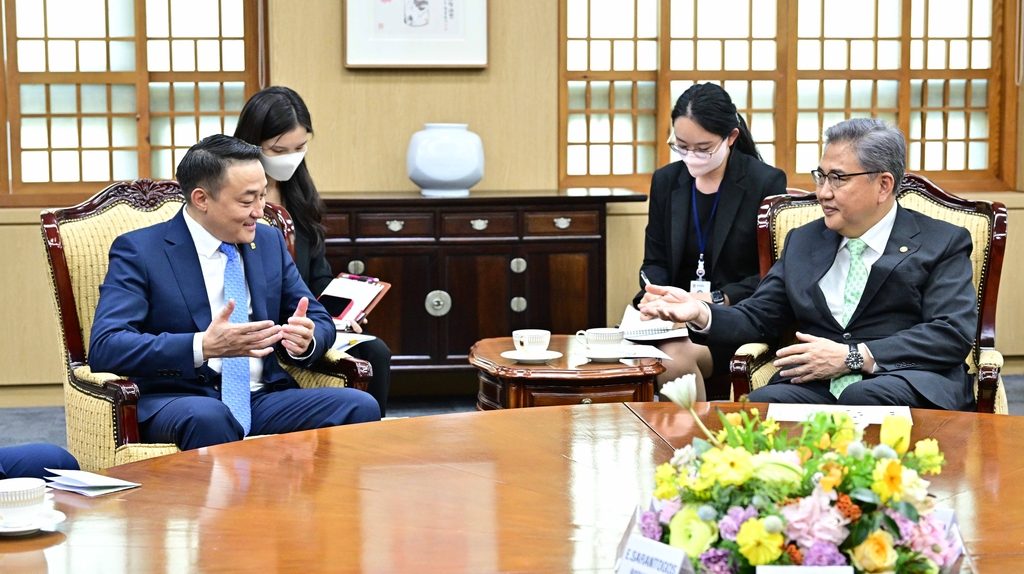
883 296
192 309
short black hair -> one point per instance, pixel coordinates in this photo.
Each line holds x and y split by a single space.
205 163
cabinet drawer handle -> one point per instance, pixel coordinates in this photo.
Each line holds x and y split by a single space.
479 224
563 222
395 225
518 304
356 267
438 303
518 265
587 401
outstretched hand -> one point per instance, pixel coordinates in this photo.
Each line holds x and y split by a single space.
225 339
298 333
673 304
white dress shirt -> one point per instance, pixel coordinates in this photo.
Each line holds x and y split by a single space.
213 261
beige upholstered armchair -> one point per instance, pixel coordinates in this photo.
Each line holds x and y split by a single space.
751 367
102 425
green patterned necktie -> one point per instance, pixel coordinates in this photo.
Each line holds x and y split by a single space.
855 281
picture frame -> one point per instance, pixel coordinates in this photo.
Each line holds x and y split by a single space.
415 33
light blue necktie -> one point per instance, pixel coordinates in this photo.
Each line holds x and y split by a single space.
234 372
856 279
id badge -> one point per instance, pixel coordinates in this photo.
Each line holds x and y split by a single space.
700 286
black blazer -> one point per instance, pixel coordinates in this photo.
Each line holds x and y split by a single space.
313 267
917 315
747 181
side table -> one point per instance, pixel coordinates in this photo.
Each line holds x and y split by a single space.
569 380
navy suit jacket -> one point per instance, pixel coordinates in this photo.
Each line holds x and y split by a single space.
917 315
153 301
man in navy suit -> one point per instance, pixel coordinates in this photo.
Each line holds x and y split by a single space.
882 296
192 309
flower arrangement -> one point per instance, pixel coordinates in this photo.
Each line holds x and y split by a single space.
749 495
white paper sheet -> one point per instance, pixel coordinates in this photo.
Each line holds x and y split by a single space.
87 483
870 415
347 339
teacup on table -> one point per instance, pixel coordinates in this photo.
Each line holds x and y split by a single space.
600 337
21 501
531 340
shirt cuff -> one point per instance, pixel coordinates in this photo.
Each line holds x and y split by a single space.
867 353
309 351
707 327
197 350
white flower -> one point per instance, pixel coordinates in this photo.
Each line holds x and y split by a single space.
684 457
915 491
682 391
883 451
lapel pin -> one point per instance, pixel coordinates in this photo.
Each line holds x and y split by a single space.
253 245
902 249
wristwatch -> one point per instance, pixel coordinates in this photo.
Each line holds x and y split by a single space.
718 298
854 360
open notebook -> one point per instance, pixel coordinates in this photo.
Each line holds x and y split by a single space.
636 329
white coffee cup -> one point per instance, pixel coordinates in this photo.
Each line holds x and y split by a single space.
600 336
531 340
22 500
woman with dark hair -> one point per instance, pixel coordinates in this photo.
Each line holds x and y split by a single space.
277 120
702 223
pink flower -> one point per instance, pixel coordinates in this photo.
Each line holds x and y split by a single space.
669 508
814 519
929 538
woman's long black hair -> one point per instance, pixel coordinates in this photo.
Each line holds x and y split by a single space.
711 108
270 113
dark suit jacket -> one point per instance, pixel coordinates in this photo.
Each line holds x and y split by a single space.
734 264
313 267
153 300
917 315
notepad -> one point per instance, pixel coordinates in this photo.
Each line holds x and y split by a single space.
352 297
636 329
87 483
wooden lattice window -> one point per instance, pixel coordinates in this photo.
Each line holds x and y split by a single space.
935 68
109 90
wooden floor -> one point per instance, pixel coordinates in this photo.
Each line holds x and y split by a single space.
525 490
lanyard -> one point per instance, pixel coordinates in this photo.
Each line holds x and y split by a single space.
702 237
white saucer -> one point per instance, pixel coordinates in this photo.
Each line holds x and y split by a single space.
47 519
531 358
608 354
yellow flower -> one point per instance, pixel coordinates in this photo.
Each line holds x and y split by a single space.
832 479
915 491
824 442
727 465
691 534
929 457
842 439
734 419
770 427
758 545
842 420
876 554
888 479
895 432
665 482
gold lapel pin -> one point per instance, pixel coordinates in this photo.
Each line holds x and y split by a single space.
253 245
902 249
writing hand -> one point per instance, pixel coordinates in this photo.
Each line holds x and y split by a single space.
813 359
674 304
225 339
298 333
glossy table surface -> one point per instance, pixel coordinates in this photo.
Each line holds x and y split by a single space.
571 367
525 490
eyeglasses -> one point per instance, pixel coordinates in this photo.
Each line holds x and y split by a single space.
835 180
697 153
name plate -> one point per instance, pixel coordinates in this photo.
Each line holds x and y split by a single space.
804 570
645 556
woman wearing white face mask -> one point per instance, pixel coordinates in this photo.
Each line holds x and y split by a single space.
277 120
702 223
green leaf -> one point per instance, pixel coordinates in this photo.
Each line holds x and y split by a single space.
865 495
700 446
891 525
906 509
860 530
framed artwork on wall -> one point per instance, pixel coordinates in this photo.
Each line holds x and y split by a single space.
415 33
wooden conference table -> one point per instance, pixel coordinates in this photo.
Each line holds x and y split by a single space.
525 490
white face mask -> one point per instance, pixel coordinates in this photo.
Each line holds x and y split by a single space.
698 167
281 167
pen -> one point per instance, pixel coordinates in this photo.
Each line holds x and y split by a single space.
644 277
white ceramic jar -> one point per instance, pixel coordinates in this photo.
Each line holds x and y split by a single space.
445 160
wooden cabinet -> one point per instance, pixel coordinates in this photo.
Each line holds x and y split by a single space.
467 269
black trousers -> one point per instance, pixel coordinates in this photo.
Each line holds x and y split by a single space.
875 390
